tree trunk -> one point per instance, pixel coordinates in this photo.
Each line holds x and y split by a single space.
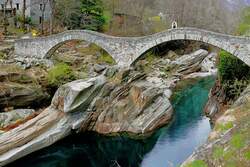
52 6
23 15
43 14
5 21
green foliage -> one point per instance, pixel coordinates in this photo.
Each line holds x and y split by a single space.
60 74
2 55
107 17
247 155
106 58
197 163
233 73
234 88
244 26
151 55
243 29
92 15
218 153
150 58
27 20
231 68
224 127
83 14
228 155
237 141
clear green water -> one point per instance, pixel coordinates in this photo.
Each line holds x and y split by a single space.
168 146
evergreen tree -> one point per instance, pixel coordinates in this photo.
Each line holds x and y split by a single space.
92 17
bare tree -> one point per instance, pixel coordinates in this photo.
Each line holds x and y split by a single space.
5 18
43 8
52 4
23 15
65 10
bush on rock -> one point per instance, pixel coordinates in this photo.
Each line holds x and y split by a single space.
60 74
234 74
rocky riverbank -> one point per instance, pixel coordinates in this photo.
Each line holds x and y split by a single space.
134 100
228 143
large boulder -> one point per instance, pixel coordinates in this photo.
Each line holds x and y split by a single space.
77 95
137 108
212 107
209 63
190 63
189 59
125 104
40 132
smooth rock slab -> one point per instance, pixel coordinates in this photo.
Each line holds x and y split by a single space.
190 59
40 132
77 95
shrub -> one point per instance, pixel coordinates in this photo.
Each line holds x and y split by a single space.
224 127
231 68
2 56
244 26
106 58
234 88
27 20
237 141
218 152
247 155
233 74
197 163
60 74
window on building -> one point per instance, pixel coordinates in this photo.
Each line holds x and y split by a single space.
2 5
17 6
40 19
41 6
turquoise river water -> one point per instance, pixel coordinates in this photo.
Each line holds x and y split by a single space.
167 147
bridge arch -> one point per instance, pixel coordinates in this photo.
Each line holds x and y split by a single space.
44 47
76 36
237 46
159 48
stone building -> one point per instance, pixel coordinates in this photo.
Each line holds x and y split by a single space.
34 9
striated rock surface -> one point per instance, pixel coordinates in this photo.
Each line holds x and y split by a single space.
205 68
22 88
120 100
21 95
123 104
8 118
209 63
47 128
216 101
77 95
212 107
136 108
191 62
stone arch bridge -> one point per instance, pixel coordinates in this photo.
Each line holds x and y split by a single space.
125 50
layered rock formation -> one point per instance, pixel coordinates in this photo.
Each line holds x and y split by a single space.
19 88
119 100
86 105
